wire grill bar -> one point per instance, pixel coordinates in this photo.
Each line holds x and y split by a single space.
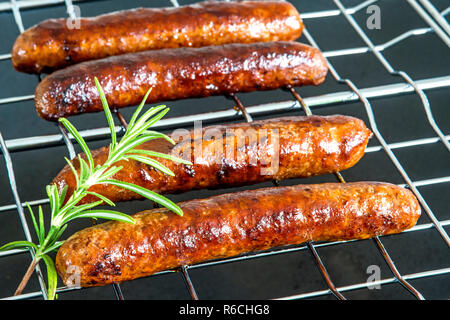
419 183
385 146
430 20
363 285
437 25
17 16
366 103
117 289
394 270
312 249
26 230
436 15
188 281
383 251
380 138
70 10
174 122
310 245
420 227
324 272
390 69
72 155
122 120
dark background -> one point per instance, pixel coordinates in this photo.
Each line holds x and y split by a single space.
399 118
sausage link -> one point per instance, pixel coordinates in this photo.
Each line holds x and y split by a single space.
57 43
239 154
177 74
232 224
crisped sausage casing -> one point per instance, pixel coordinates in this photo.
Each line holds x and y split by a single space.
178 74
232 224
57 43
239 154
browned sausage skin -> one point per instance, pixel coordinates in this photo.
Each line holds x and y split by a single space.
177 74
232 224
279 148
54 44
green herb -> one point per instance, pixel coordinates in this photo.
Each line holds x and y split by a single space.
90 174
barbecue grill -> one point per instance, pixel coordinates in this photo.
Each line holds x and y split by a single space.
395 78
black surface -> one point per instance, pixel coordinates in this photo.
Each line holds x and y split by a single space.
399 119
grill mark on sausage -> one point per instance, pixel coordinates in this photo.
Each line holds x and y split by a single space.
178 74
231 224
300 155
51 45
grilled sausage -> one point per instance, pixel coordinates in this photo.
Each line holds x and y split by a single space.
232 224
280 148
57 43
177 74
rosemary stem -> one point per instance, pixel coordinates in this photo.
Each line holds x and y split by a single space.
26 277
90 174
34 262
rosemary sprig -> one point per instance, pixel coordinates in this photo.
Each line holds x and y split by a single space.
63 211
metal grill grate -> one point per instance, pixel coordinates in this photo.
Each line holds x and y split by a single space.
405 85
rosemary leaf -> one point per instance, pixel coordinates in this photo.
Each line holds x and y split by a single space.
18 244
105 199
79 139
51 276
104 214
65 210
77 179
62 195
162 155
151 162
109 117
36 228
147 194
138 110
41 224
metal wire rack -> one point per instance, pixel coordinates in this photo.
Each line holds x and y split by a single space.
437 24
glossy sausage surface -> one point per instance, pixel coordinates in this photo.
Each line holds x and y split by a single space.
177 74
239 154
232 224
57 43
